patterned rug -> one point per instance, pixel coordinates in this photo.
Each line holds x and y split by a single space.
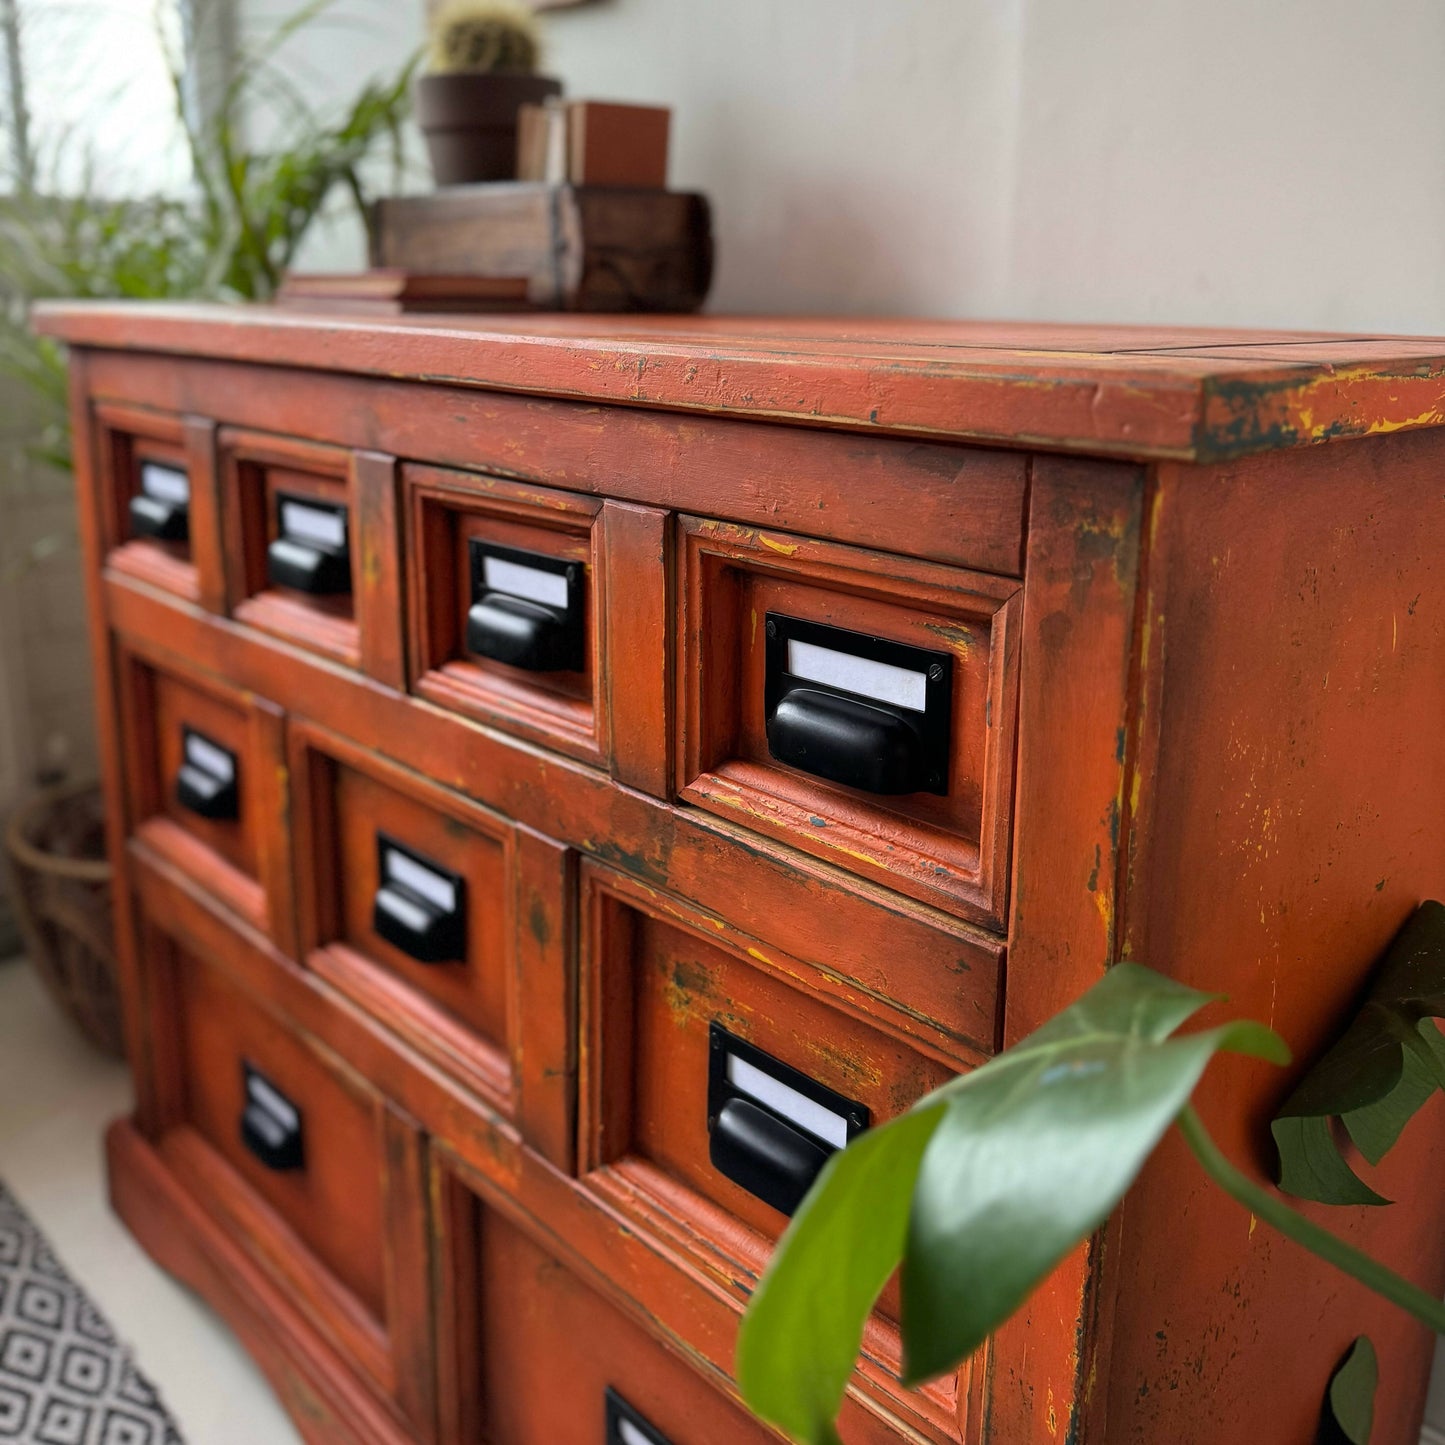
64 1377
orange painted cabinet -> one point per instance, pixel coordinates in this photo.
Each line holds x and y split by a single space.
567 780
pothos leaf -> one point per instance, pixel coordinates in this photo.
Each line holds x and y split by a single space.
805 1325
978 1191
1389 1060
1348 1415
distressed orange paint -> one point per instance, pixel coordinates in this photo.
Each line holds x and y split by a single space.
1200 665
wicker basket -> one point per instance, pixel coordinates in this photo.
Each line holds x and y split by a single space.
55 844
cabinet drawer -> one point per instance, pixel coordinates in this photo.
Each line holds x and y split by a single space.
406 904
556 1361
857 705
716 1071
205 782
149 496
303 1161
291 540
505 607
717 1075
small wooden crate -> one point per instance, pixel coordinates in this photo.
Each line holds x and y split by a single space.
581 248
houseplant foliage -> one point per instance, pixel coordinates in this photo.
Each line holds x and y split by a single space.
482 57
987 1183
1348 1416
229 236
1386 1064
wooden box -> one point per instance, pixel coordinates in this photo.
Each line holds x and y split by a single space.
581 248
532 848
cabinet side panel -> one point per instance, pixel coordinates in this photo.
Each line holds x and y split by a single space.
1289 820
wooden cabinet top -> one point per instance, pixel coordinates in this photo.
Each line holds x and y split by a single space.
1184 393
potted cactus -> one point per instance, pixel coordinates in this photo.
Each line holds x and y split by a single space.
483 62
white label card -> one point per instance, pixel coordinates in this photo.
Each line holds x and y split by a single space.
533 583
317 525
263 1094
882 681
422 881
786 1101
629 1434
209 758
165 484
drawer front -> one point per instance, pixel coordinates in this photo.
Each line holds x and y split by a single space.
312 1173
505 604
303 1138
291 540
407 904
206 783
717 1076
557 1361
155 499
857 705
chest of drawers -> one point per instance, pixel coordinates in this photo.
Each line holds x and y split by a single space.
567 775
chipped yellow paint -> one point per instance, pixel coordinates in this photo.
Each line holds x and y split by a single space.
1433 417
861 857
961 637
787 549
760 956
1105 907
753 635
1052 1418
1253 1225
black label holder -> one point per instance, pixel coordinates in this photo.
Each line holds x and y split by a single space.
270 1122
161 509
311 551
625 1426
207 782
857 709
420 906
527 610
771 1127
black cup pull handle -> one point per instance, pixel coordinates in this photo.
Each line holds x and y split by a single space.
312 551
771 1127
270 1123
768 1157
859 710
420 906
628 1426
848 742
161 509
207 783
527 609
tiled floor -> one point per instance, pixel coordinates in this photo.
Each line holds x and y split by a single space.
56 1097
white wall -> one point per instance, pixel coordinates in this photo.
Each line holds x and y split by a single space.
1141 160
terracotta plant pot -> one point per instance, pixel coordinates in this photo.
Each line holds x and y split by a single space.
470 122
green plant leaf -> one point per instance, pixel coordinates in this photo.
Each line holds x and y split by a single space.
1388 1061
1348 1415
1033 1157
805 1323
980 1190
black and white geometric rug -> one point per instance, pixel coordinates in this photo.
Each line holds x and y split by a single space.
64 1377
